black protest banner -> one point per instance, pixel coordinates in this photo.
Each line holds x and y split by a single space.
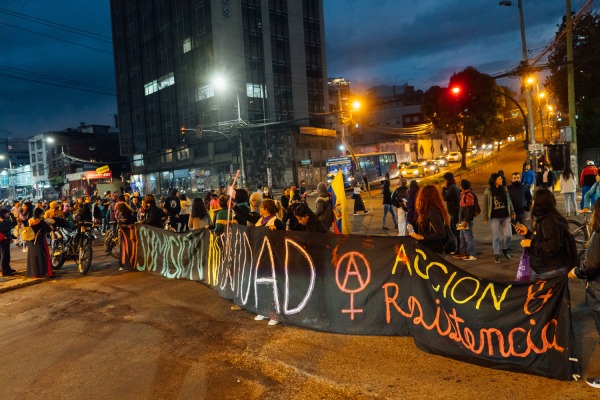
372 286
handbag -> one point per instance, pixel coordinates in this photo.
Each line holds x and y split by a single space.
449 244
524 271
27 234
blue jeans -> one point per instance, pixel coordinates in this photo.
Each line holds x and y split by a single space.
500 229
389 208
584 190
467 241
570 196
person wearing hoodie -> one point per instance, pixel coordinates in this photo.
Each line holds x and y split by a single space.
498 210
587 179
520 197
544 241
387 205
451 195
323 206
467 250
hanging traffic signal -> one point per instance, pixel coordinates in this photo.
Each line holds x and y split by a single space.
183 129
455 90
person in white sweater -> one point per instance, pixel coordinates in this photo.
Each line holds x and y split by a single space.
568 187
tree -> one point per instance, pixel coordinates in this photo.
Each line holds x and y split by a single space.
470 107
57 181
586 56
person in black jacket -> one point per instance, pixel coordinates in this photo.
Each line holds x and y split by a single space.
307 220
544 242
387 205
590 271
6 225
520 197
173 207
432 219
153 215
451 195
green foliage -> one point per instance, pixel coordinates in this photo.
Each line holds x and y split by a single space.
57 181
475 111
586 56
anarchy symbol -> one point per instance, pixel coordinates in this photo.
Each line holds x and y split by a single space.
352 272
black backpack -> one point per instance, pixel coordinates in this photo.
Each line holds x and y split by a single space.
570 249
397 198
477 207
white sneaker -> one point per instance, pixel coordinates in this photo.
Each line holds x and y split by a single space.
260 318
273 322
594 382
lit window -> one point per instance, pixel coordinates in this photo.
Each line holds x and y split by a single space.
187 45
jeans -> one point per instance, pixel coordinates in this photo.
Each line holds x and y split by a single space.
584 190
389 208
401 222
500 229
467 241
570 196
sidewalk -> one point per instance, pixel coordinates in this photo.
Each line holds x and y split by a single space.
18 262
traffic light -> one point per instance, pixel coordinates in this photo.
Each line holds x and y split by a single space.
182 130
455 90
310 154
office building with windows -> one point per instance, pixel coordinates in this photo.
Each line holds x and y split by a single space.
209 87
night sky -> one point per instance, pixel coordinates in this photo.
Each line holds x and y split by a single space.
369 42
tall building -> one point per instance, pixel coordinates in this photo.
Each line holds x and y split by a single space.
207 87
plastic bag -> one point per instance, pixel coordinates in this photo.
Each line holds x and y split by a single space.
524 271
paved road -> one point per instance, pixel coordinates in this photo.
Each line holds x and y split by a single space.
133 335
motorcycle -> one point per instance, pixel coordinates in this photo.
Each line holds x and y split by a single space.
73 245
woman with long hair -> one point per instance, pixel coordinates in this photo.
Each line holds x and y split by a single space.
307 220
544 242
590 271
198 214
497 211
568 187
432 219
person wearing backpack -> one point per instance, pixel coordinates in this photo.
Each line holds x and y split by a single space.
399 198
466 249
545 242
590 271
323 206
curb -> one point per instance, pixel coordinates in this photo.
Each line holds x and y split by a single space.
24 282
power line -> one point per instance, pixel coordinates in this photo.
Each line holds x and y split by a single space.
57 38
77 31
58 85
53 78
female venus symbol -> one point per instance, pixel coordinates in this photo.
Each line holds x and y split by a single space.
352 270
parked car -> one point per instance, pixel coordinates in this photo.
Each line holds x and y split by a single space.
454 156
413 170
431 167
442 161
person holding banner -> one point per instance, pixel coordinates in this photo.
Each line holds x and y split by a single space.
590 271
307 220
432 219
268 213
544 242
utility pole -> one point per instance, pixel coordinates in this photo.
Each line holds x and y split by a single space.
571 91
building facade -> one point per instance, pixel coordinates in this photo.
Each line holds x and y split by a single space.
209 87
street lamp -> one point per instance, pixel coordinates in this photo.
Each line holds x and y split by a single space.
525 66
221 84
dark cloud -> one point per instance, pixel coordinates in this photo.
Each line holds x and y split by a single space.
423 43
33 100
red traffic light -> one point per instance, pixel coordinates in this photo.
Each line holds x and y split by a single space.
183 129
455 90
